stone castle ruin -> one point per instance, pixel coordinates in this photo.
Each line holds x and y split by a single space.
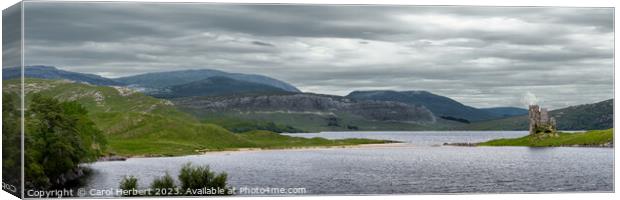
541 123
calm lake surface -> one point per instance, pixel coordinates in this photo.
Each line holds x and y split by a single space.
420 166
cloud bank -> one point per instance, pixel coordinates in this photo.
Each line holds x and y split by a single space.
480 56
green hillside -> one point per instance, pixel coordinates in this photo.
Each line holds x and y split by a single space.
136 124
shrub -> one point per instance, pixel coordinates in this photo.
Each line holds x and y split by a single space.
190 178
197 177
164 182
129 183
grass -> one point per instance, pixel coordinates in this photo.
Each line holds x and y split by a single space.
589 138
239 125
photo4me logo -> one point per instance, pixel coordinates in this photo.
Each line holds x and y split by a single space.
269 191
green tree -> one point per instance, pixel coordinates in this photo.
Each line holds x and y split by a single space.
59 136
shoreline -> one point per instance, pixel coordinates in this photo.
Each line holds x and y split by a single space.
576 140
463 144
359 146
245 150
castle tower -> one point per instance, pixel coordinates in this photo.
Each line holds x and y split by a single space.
534 116
544 116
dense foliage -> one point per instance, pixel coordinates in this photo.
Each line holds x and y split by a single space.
11 141
59 136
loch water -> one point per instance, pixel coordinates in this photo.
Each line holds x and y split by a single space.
420 165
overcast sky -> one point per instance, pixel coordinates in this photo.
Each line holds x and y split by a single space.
480 56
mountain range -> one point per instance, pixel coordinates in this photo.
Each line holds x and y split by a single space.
212 95
162 80
161 83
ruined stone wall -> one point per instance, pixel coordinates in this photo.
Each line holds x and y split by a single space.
541 122
544 116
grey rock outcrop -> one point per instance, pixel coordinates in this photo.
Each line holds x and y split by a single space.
310 103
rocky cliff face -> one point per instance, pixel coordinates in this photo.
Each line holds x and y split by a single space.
310 103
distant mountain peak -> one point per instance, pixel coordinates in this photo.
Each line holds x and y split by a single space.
51 72
219 86
160 80
153 82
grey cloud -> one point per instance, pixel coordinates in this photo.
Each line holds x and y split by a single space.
482 56
259 43
11 36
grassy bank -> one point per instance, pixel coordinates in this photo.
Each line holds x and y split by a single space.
253 139
135 124
589 138
270 140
